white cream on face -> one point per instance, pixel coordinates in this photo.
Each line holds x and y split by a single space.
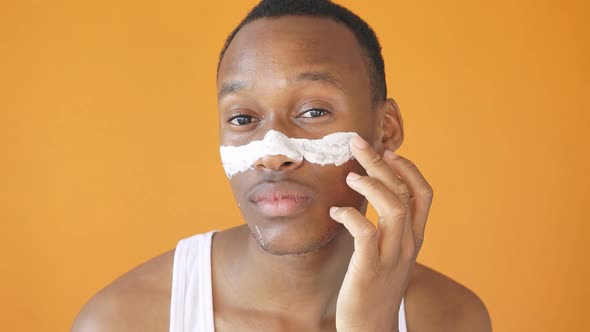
331 149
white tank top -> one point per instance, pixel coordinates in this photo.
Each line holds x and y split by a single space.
191 303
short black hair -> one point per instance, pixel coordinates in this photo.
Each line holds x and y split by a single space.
325 8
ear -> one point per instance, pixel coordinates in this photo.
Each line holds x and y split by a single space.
390 127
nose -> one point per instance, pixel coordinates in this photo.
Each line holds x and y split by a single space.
277 163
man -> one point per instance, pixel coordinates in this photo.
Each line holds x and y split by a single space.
307 259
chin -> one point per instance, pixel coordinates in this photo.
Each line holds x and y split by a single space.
284 239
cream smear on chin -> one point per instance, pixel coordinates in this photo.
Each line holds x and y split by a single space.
331 149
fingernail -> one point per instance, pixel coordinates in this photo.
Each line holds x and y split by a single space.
359 142
352 176
390 155
333 210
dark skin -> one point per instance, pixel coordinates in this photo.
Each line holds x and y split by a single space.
313 270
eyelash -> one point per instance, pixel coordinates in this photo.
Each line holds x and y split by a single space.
325 111
240 116
249 117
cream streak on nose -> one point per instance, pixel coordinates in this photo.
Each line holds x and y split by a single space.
331 149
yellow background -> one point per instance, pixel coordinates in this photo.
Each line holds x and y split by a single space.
108 140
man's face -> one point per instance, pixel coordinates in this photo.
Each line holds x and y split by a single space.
305 77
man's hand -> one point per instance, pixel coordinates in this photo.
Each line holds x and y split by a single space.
384 256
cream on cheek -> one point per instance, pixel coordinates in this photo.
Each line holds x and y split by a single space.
331 149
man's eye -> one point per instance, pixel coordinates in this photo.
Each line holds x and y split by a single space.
314 113
241 120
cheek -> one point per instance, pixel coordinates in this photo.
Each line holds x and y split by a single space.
239 185
334 189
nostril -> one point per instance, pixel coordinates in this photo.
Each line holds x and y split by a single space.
287 163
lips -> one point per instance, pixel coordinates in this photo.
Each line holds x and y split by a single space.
280 199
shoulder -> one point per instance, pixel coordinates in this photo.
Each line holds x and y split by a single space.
435 302
139 300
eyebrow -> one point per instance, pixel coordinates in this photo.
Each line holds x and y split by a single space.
231 87
320 76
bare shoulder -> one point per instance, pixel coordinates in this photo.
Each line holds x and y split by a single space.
435 302
139 300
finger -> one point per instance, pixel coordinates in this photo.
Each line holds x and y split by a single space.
421 193
376 167
362 230
391 210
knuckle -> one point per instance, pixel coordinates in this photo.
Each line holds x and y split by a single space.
347 212
398 212
369 231
405 197
409 164
403 187
428 193
403 191
372 183
377 160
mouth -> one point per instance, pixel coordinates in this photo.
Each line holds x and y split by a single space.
280 199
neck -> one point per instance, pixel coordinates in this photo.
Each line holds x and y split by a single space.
303 285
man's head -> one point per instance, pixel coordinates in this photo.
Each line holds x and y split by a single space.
306 69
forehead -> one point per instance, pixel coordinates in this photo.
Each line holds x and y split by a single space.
278 49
